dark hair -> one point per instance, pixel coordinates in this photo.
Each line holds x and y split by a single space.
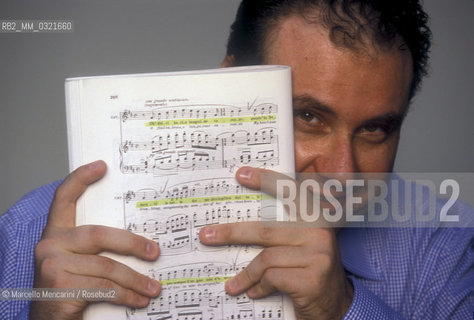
350 23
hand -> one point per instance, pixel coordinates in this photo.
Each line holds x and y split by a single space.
300 260
67 256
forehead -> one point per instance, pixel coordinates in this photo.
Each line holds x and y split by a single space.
375 77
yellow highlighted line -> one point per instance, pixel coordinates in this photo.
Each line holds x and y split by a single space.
195 280
154 203
184 122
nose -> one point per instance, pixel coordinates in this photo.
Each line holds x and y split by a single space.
338 158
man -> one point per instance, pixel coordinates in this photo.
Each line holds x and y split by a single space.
355 66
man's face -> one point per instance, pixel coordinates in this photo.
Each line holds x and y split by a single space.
348 106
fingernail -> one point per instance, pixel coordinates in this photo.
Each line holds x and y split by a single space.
209 233
94 165
150 248
153 286
245 173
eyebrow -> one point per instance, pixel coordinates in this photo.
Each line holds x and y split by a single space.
391 120
307 102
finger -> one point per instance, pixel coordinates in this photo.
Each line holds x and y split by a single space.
263 179
274 257
106 268
267 234
92 239
286 280
124 296
63 207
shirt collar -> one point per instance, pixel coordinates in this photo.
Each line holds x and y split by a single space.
355 255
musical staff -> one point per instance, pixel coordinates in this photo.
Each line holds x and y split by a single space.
196 111
197 270
201 140
194 303
199 188
198 150
184 298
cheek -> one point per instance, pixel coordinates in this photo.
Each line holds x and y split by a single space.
315 153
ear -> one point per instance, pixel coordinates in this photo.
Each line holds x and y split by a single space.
228 61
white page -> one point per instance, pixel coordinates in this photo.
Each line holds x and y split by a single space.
172 144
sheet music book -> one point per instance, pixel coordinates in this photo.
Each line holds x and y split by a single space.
172 143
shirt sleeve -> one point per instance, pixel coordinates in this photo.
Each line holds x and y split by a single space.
20 230
367 305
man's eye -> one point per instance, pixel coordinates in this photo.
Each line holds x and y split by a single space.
374 129
306 116
374 133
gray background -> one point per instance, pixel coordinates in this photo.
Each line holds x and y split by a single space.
118 36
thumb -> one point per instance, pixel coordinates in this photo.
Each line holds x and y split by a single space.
63 208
